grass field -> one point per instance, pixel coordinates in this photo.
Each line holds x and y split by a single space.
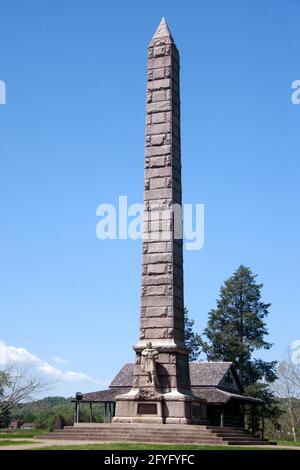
8 442
20 433
288 443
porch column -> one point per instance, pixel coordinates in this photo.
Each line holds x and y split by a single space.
222 417
263 422
77 412
91 412
252 419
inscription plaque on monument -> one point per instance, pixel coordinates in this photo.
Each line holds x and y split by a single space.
147 409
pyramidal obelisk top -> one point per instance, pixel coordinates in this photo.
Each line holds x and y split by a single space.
163 31
161 390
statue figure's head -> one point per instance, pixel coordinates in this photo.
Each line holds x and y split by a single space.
149 345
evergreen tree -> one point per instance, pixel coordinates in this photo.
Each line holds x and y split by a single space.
192 339
236 328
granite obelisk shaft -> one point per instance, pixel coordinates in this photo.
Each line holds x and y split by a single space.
162 315
162 308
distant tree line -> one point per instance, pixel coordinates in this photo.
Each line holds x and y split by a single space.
44 413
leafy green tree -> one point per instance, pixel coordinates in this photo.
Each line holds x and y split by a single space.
237 328
192 339
28 417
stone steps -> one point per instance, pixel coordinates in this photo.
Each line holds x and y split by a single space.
170 439
178 434
145 428
160 432
145 431
121 435
135 436
147 435
114 433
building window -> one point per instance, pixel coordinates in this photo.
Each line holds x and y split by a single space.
228 378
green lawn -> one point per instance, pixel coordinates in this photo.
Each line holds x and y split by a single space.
20 433
288 443
7 442
132 446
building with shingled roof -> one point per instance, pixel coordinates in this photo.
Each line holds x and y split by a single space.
216 384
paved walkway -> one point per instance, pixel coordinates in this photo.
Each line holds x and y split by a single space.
38 443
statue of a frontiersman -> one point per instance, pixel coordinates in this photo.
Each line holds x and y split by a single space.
148 363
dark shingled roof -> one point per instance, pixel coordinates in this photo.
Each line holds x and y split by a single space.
124 377
205 378
201 373
104 395
208 373
211 395
216 396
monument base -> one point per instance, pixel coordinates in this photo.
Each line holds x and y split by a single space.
157 408
178 408
137 420
138 406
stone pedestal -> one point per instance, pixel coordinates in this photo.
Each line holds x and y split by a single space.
140 407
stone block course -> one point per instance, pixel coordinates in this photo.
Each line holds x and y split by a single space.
158 225
156 173
159 84
162 128
155 333
157 301
160 95
154 152
163 193
155 162
157 183
158 139
159 322
158 118
155 247
157 258
159 106
158 268
159 62
156 312
156 290
157 280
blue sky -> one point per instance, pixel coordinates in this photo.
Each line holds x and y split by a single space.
72 137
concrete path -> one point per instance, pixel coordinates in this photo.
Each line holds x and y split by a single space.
36 444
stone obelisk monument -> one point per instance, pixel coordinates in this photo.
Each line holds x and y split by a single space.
161 388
